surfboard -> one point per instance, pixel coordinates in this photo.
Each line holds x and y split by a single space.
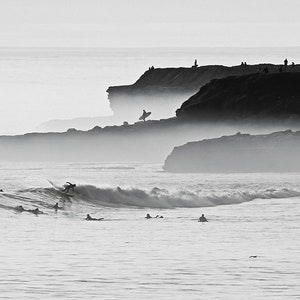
145 115
60 191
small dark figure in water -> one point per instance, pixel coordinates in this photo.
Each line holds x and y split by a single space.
1 191
35 211
158 217
286 62
68 187
293 64
202 219
148 216
19 208
56 207
89 218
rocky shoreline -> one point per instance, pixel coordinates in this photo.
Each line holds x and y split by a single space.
275 152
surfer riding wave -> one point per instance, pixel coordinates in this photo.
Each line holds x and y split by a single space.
69 186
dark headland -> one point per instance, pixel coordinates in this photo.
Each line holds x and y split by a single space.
276 152
163 90
258 96
243 99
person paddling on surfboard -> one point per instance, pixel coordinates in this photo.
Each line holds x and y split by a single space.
89 218
144 115
202 219
68 187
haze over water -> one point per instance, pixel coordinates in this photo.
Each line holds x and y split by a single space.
41 84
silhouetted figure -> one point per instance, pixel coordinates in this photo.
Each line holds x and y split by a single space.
89 218
245 64
159 217
148 216
242 63
253 256
19 208
266 70
202 219
286 62
68 187
1 191
34 211
195 65
56 207
293 64
280 69
144 115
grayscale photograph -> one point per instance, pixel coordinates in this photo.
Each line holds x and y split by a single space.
150 149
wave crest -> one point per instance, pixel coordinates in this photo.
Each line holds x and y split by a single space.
162 198
155 198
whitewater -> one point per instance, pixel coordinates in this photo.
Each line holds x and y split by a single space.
58 254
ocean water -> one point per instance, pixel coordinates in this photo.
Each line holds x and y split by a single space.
41 84
60 255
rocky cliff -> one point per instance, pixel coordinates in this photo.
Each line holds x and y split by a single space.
162 91
249 96
276 152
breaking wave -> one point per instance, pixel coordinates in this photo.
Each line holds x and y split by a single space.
155 198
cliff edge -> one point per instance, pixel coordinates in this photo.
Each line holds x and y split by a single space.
248 96
163 90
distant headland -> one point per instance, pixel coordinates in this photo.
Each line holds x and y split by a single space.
276 152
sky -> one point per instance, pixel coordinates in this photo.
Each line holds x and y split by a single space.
132 23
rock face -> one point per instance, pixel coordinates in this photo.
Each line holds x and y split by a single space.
276 152
162 91
249 96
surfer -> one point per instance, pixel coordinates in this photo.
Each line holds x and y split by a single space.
56 207
144 115
148 216
19 208
159 217
202 219
34 211
1 191
89 218
68 187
